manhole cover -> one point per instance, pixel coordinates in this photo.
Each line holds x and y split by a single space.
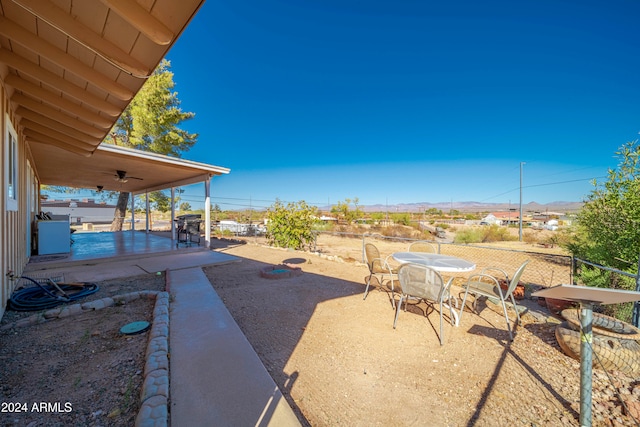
135 328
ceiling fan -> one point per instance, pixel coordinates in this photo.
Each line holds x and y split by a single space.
121 176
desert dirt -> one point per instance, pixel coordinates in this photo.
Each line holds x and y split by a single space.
78 370
336 357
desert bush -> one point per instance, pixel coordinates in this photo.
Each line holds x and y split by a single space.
400 231
470 235
529 237
291 225
483 235
495 233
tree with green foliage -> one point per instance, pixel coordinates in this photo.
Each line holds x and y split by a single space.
402 218
160 201
343 210
185 206
291 225
608 225
150 123
608 229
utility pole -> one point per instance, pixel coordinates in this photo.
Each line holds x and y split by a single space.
520 233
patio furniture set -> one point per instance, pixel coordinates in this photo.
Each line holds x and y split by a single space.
420 278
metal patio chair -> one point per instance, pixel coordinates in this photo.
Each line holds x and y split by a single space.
423 246
486 285
379 268
425 284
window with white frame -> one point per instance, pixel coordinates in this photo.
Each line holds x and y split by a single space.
11 165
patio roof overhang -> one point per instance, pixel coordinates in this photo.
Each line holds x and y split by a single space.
144 171
70 68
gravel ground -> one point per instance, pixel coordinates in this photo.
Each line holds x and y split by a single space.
339 361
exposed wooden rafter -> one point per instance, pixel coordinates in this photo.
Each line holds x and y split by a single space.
59 83
53 99
88 145
45 49
55 125
33 136
140 18
59 19
32 105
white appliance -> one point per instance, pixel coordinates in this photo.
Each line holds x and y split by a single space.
54 237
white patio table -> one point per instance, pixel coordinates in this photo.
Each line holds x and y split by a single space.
439 262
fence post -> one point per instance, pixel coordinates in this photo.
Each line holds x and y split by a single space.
636 304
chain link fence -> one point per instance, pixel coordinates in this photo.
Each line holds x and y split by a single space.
544 269
592 274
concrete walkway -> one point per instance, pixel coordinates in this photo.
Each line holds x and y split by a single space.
216 378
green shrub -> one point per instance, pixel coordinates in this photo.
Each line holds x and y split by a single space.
291 225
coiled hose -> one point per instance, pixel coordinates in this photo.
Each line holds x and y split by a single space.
42 297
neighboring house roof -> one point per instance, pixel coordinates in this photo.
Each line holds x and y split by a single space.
74 204
506 215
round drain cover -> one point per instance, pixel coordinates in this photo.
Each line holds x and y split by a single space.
135 328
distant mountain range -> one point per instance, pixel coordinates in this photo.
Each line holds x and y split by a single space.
562 207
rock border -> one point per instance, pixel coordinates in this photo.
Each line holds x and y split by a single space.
154 396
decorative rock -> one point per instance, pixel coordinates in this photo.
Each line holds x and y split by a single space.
93 305
153 412
159 330
108 302
27 321
155 383
125 298
157 344
70 310
148 294
162 319
160 310
157 360
52 314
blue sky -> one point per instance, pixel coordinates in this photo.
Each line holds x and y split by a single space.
408 101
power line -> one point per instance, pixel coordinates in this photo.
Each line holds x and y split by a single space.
542 185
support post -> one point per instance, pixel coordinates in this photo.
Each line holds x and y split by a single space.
586 362
133 214
147 210
207 212
173 213
520 226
